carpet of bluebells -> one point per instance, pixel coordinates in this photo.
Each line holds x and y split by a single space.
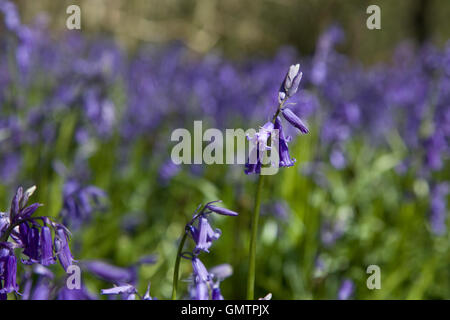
89 125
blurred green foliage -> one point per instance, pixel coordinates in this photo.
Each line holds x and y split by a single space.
242 27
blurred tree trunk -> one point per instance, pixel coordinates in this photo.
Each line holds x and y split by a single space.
420 20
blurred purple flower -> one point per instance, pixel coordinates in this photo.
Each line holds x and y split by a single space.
438 208
346 289
80 202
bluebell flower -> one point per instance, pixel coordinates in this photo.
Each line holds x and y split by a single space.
204 235
12 19
32 243
346 289
292 118
337 159
147 294
125 289
438 208
205 284
288 88
200 272
325 44
42 290
255 168
266 297
216 294
75 294
219 273
258 145
79 203
62 248
167 171
9 269
285 158
222 211
110 273
46 248
291 82
128 292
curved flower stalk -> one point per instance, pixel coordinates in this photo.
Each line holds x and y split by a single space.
41 240
288 88
204 284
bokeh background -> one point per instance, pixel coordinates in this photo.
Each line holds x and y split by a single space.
94 108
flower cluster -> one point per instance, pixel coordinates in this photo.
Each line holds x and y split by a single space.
288 88
205 284
42 241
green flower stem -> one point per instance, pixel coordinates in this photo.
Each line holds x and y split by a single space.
254 231
254 234
177 266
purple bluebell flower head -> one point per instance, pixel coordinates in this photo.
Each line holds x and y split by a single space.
125 289
255 168
200 291
337 159
438 208
266 297
46 247
9 271
147 294
31 245
216 294
204 235
331 231
201 274
19 210
259 140
346 289
221 271
34 236
205 284
109 272
222 211
80 203
15 204
41 290
436 146
327 41
75 294
295 121
62 248
147 259
11 15
285 158
258 145
291 82
168 170
28 211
